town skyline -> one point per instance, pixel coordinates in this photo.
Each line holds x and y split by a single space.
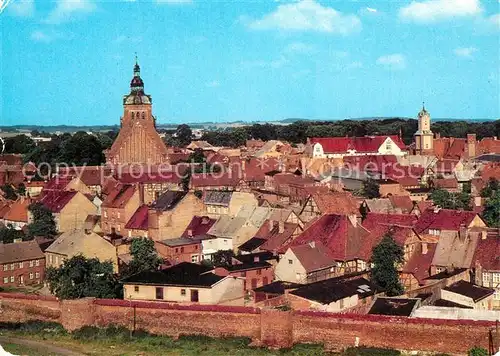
258 62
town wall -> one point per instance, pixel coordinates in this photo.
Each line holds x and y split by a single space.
267 327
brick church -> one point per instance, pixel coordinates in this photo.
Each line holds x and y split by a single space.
138 141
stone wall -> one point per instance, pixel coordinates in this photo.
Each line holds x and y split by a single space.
268 327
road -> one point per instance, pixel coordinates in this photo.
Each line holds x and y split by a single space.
38 345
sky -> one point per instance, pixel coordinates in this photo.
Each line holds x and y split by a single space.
71 61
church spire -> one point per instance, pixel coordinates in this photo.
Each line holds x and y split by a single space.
137 69
137 85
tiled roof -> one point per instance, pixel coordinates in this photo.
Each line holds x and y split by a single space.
56 200
198 226
455 250
419 264
313 257
151 177
214 197
443 219
139 220
77 241
393 306
277 287
168 200
292 179
89 175
58 183
382 205
119 196
402 202
251 244
180 241
446 183
274 239
360 144
449 147
373 163
20 251
336 203
473 291
408 181
423 205
4 208
18 211
445 166
488 252
11 159
226 179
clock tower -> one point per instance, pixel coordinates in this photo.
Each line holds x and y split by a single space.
424 138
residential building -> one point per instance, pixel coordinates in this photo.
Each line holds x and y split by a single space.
394 306
486 263
183 283
119 206
322 203
468 295
16 216
182 249
85 242
138 225
21 263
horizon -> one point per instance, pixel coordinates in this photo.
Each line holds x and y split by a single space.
70 62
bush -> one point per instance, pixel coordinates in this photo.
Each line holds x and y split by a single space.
478 351
35 327
370 351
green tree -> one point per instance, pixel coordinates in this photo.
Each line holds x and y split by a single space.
491 212
9 192
222 258
19 144
197 156
8 234
478 351
21 189
490 188
81 149
447 200
81 277
184 134
144 256
43 221
371 189
386 257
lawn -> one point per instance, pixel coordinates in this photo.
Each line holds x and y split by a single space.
118 341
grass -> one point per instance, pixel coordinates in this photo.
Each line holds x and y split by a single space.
115 341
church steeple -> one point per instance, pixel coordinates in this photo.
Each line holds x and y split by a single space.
137 95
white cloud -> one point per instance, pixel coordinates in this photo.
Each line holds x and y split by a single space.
299 47
213 84
465 52
395 61
307 15
65 9
22 8
435 10
174 2
371 9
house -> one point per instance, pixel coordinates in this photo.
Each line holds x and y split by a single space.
329 203
333 295
380 205
449 184
217 202
402 202
391 306
92 176
170 214
70 208
85 242
118 207
469 295
155 181
22 263
486 263
255 269
138 225
184 282
338 147
418 267
16 215
34 188
68 183
225 181
201 145
434 221
272 236
182 249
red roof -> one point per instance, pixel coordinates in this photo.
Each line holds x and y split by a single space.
89 175
18 211
445 166
139 220
313 256
337 234
225 179
373 163
419 264
274 238
58 183
56 200
488 252
119 196
198 226
360 144
443 219
152 177
403 202
446 183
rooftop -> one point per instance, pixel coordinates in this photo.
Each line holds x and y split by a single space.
394 306
473 291
20 251
168 200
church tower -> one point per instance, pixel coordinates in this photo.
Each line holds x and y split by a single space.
138 141
424 137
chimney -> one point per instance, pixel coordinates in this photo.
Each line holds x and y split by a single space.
281 227
462 232
438 135
312 244
436 209
424 248
256 259
141 193
271 224
190 233
243 165
484 234
471 145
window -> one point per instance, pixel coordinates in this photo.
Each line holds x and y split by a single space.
37 263
259 272
118 215
105 214
11 279
12 266
194 258
496 295
5 267
486 276
182 249
143 116
290 262
225 242
194 295
176 250
496 277
341 304
31 275
6 280
159 292
21 264
264 281
243 274
254 283
50 258
37 275
57 260
136 289
183 292
388 145
31 263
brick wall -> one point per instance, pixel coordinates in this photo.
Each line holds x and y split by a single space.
267 327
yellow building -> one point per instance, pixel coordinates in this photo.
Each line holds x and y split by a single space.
424 138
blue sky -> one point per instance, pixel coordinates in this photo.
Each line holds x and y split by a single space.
70 61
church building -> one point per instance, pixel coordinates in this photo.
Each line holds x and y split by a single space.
138 141
424 138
